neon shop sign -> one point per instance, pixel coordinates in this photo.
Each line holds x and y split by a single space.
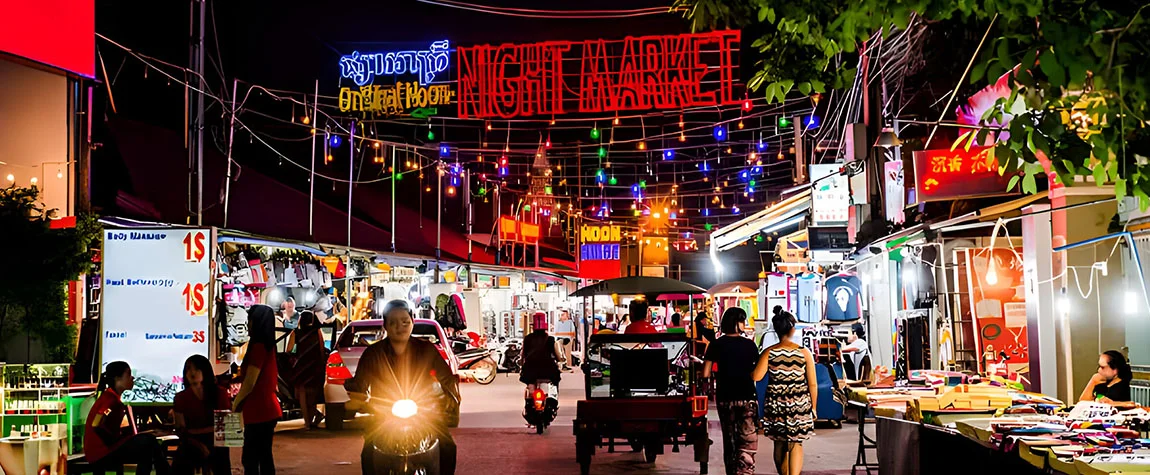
420 96
595 76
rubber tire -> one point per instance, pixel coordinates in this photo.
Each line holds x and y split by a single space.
539 428
584 468
702 468
649 453
494 371
335 415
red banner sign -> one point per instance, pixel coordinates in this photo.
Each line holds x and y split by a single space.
517 231
594 76
943 175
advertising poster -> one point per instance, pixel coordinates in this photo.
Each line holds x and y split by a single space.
156 305
997 296
831 195
895 192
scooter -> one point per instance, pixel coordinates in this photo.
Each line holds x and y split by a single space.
541 404
406 442
506 354
477 364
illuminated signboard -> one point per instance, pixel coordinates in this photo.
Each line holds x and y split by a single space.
419 97
599 252
594 76
943 175
831 196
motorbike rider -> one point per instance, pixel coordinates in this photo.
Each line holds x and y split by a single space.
540 354
399 367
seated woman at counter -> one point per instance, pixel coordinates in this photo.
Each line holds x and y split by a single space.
104 441
195 408
1111 384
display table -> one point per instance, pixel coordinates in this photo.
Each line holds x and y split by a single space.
29 456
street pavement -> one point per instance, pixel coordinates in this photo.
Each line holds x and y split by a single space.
493 439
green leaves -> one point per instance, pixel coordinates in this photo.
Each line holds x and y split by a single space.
1050 67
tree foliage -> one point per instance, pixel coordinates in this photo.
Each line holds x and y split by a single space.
39 263
1078 72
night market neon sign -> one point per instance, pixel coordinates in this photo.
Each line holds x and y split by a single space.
595 76
425 64
403 96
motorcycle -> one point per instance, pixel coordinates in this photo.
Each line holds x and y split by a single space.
407 442
541 404
506 354
477 364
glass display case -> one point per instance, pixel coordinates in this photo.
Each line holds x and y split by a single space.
35 401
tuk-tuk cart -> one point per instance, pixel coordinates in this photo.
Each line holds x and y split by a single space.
641 388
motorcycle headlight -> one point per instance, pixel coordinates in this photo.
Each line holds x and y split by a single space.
404 408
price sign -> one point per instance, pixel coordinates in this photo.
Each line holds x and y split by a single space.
156 305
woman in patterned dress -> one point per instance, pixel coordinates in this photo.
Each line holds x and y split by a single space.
788 411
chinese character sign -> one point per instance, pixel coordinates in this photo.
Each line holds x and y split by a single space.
831 195
594 76
942 175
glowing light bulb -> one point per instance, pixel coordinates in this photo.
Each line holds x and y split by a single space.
306 120
991 275
34 180
11 177
59 174
616 121
642 145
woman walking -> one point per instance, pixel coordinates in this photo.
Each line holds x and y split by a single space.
736 397
311 362
257 400
788 410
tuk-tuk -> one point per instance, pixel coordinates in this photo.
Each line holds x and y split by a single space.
641 388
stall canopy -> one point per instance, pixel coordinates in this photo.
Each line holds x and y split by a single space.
775 217
734 288
638 285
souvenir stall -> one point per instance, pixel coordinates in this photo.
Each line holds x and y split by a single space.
743 295
40 419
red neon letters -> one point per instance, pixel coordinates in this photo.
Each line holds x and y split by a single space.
945 174
636 73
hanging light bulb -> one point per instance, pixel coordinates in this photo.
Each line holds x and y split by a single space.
668 154
59 174
991 275
642 145
602 152
11 177
682 137
450 191
305 119
746 105
548 143
616 121
680 121
489 126
595 133
741 124
34 180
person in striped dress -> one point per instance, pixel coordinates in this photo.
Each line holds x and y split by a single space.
788 410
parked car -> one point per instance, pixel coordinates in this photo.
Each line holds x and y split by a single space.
344 358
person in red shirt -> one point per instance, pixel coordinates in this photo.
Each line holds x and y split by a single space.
105 443
257 400
640 318
195 410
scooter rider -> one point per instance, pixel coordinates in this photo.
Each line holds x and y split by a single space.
540 354
399 366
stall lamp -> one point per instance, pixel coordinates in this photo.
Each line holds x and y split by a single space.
1131 302
991 275
1063 303
887 139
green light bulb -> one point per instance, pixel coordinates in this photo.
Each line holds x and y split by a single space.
430 135
595 133
613 181
602 152
708 226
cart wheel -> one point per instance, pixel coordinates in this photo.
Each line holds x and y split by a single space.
703 468
539 429
650 453
584 468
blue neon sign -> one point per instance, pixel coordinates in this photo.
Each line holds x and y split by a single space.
425 64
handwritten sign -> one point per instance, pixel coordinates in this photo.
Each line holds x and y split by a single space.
636 73
425 64
394 100
943 175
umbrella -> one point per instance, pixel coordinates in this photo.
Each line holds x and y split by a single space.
638 285
672 297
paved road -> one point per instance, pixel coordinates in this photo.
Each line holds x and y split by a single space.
493 439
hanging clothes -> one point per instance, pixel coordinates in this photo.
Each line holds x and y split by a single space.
843 298
810 308
778 293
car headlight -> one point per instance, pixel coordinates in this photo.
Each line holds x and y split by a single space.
404 408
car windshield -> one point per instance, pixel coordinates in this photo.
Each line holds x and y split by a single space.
361 335
364 335
427 332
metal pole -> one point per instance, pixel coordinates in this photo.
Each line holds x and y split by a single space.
438 216
350 178
231 137
311 177
196 151
467 203
498 226
394 184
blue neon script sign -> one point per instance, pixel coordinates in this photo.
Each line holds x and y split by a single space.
425 64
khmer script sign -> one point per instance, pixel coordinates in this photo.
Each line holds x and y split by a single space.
400 97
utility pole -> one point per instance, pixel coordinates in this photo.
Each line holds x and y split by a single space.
196 122
394 184
231 137
311 177
438 215
350 179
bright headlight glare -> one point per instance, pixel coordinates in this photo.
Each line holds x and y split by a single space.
404 408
